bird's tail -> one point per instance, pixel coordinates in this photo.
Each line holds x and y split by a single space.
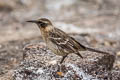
94 50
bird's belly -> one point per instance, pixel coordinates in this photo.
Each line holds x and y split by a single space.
55 49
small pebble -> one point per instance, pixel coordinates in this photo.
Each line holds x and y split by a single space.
53 62
106 43
0 46
118 64
118 53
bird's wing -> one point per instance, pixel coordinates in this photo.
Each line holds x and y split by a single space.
65 42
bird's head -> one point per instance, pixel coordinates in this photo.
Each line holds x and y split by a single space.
42 23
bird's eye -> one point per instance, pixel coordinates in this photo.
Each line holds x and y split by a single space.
43 24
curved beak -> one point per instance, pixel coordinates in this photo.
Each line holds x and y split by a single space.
32 21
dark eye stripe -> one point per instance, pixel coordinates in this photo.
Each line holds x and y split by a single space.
43 24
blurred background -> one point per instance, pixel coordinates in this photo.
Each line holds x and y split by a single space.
82 16
98 21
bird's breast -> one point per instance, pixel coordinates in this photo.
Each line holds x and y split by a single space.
54 48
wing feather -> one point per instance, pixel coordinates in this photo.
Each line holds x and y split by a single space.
65 42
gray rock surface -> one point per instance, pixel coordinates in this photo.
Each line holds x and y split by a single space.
41 64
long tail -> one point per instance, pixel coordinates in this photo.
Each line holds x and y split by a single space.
98 51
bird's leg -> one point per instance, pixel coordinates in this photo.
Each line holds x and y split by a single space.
79 54
63 59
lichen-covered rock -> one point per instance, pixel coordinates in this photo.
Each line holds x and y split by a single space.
41 64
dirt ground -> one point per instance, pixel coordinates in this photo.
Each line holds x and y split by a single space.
96 23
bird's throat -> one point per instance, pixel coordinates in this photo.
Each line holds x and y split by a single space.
45 32
47 28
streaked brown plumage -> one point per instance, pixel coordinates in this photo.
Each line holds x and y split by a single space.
58 41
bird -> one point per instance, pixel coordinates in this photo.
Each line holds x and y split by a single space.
60 42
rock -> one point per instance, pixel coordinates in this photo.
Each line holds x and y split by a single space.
41 64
